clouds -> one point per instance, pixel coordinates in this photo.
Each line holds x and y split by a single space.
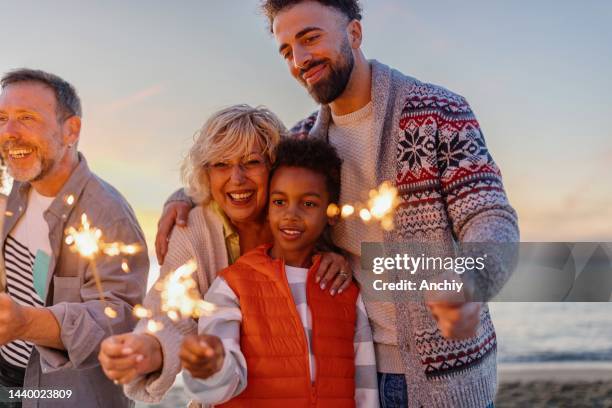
133 99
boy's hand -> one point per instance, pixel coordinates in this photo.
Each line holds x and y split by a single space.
202 355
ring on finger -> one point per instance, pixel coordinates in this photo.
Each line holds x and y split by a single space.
343 274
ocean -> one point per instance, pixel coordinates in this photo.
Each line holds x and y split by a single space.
553 332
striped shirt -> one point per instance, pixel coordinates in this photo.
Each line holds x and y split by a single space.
26 248
231 380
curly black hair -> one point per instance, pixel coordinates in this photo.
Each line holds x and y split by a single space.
320 157
350 8
312 154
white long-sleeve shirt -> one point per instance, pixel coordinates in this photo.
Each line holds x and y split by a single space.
231 379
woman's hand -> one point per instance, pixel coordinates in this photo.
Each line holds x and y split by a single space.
126 356
175 213
202 355
336 269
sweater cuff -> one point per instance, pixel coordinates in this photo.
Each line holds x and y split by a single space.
388 359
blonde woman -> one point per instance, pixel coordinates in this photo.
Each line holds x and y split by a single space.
226 174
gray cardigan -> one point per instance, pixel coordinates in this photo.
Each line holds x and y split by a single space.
71 293
470 208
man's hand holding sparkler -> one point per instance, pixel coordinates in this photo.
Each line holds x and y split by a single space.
36 325
456 315
202 355
126 356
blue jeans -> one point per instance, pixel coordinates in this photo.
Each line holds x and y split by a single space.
393 391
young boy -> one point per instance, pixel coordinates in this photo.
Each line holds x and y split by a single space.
274 340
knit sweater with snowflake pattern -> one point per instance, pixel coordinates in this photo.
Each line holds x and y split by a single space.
431 146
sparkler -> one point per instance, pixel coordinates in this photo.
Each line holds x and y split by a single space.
87 241
381 205
180 298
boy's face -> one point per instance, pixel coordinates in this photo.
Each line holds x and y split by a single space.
297 212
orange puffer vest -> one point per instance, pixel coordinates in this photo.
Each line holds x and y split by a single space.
274 344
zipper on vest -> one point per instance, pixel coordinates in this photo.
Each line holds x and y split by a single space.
296 317
313 385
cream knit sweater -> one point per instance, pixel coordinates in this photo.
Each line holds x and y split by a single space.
202 240
354 138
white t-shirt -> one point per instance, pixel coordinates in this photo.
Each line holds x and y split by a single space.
27 252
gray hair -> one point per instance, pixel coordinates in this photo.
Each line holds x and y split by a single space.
68 101
231 131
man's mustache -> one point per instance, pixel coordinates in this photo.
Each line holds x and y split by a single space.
311 65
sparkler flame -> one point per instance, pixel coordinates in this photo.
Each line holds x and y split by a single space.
381 205
87 241
180 296
383 201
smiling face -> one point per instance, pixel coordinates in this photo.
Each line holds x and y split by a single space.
239 185
297 213
313 40
31 138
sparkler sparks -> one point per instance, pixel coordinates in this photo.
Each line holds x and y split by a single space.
381 205
365 215
347 211
142 312
110 312
180 296
87 241
154 326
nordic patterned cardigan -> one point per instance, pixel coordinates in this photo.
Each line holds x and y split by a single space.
451 191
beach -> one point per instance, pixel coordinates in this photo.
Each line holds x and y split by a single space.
571 385
567 384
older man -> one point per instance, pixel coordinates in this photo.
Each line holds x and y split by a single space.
52 316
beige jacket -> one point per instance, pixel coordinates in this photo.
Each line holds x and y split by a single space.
203 240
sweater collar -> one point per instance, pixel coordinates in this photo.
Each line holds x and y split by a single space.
381 74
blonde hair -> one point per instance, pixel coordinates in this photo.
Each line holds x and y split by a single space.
232 131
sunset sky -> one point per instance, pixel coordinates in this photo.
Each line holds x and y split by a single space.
149 73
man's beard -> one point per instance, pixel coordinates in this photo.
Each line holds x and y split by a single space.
327 90
41 167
